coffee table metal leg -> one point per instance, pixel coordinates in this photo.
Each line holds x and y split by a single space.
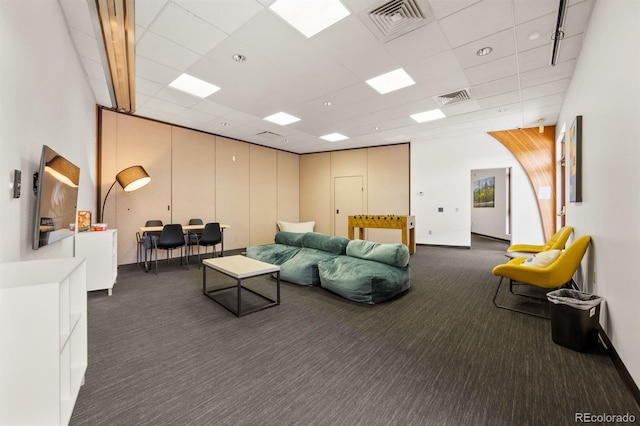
278 288
239 313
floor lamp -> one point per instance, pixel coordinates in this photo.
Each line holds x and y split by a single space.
130 179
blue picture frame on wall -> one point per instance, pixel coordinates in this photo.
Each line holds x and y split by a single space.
575 161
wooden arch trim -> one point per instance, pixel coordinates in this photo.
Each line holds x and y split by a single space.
535 151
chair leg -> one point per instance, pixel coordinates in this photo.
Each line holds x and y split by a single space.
509 308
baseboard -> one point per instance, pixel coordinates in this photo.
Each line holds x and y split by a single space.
620 367
502 240
444 246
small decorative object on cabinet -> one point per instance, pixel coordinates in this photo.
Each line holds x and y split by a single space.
43 330
101 251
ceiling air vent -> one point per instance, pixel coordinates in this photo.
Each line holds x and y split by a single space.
270 136
453 97
394 18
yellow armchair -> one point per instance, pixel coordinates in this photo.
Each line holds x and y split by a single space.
556 242
553 276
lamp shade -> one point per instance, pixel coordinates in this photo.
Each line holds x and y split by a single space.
63 170
132 178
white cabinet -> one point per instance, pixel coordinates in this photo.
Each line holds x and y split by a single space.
43 339
100 248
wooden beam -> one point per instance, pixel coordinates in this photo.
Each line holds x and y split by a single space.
118 34
535 151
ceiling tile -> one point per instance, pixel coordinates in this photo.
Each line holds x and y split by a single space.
177 97
227 15
78 16
147 10
158 104
429 38
547 74
444 8
154 71
147 87
477 21
526 10
502 44
491 71
166 52
186 29
87 45
495 87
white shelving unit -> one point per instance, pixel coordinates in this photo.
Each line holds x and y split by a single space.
43 339
100 248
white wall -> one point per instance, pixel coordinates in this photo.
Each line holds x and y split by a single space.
44 99
605 90
440 169
491 221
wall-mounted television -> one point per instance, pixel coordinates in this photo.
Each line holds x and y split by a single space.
56 189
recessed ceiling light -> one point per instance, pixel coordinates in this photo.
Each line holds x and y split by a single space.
502 110
285 140
224 124
534 36
239 58
374 128
484 51
434 114
327 104
334 137
194 86
310 16
282 118
391 81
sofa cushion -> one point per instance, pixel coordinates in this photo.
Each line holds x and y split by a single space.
302 268
296 226
363 281
328 243
391 254
289 238
276 254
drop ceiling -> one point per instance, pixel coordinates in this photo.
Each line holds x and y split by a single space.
321 79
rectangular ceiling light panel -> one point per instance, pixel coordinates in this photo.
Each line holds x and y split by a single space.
282 118
391 81
423 117
334 137
310 16
194 86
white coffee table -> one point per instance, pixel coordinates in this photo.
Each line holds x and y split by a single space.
240 268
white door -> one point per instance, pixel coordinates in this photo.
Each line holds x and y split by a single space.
348 200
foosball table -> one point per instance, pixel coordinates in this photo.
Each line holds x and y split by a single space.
407 224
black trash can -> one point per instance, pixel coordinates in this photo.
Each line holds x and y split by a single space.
575 319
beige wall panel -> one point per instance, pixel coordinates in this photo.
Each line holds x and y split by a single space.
315 190
347 163
147 143
263 194
108 158
232 191
288 186
388 176
193 171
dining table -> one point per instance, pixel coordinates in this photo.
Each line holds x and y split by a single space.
187 229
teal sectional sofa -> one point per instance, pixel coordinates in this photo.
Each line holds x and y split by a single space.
358 270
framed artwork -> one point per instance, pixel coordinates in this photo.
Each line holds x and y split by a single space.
484 191
575 161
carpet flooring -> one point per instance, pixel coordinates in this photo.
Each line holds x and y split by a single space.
161 353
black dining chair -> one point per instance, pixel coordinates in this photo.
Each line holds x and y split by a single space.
145 241
193 235
171 237
211 236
